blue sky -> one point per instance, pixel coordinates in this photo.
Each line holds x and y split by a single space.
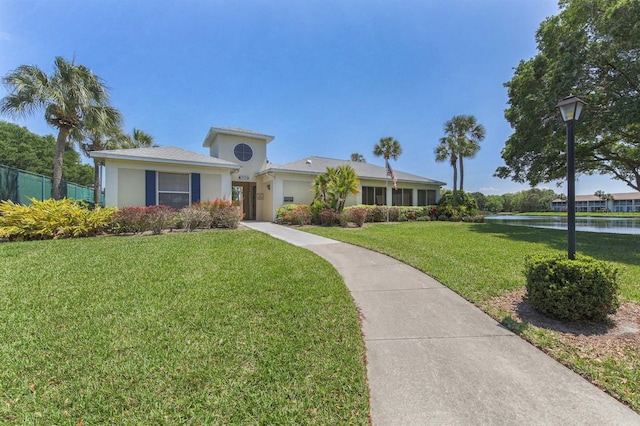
326 78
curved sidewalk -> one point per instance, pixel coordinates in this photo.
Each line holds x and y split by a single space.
434 358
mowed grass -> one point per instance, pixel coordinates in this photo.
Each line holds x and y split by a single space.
480 261
222 327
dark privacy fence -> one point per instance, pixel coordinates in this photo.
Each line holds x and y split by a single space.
19 185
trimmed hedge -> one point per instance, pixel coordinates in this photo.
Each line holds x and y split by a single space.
580 289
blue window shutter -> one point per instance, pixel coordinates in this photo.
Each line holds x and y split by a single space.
150 188
195 187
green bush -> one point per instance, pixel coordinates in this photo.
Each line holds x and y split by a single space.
283 213
580 289
456 209
377 214
51 219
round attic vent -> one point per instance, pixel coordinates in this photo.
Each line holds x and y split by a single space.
308 161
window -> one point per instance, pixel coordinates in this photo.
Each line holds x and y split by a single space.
422 197
243 152
374 195
426 197
173 189
431 197
402 197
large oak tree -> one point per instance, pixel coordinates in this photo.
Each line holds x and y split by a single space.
590 49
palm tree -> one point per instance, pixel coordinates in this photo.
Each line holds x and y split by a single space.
139 139
465 135
448 150
344 183
388 148
358 158
332 187
73 99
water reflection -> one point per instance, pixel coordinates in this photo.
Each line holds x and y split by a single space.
611 225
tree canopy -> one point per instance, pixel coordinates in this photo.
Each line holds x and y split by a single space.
462 140
387 148
73 98
358 158
21 149
590 49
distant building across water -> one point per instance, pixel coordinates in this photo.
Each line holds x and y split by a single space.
622 202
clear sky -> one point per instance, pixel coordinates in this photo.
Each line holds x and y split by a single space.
326 78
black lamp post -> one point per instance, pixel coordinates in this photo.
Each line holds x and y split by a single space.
570 108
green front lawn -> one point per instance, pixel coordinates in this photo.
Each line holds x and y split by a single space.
481 260
221 327
484 260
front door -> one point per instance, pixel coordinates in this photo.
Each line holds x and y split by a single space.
244 193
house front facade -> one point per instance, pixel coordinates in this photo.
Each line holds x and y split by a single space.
237 168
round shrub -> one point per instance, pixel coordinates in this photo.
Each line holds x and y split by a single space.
580 289
300 215
357 215
283 214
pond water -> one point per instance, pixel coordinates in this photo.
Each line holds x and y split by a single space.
612 225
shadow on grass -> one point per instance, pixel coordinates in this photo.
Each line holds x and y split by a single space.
610 247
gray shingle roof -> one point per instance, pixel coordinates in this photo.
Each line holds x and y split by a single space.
317 165
164 154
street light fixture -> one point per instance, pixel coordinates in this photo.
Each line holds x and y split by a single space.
570 108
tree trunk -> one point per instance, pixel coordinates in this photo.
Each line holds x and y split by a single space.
97 182
58 157
461 175
455 184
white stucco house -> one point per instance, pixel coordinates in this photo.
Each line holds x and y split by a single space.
237 163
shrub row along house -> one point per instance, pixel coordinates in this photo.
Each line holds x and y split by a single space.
237 168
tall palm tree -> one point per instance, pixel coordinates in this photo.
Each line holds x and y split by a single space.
72 97
466 135
358 158
448 150
388 148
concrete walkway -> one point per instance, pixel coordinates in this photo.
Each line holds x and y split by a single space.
435 359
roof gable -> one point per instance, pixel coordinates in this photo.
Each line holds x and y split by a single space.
234 131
